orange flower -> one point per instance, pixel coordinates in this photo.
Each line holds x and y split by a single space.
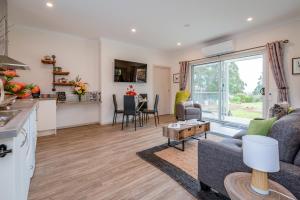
10 73
35 89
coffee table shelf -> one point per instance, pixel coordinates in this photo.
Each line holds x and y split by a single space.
185 132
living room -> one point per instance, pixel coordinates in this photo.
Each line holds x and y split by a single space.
149 99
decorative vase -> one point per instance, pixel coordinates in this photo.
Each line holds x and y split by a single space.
79 98
36 95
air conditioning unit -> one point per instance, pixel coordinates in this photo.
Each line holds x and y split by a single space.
218 49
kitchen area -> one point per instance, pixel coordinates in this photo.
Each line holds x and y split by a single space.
18 137
29 111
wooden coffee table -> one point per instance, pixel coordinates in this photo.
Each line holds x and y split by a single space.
238 188
185 132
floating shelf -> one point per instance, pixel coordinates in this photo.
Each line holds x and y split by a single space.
63 84
50 62
60 73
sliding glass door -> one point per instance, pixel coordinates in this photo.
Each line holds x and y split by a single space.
230 90
206 88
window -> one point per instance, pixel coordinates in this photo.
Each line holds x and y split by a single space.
230 89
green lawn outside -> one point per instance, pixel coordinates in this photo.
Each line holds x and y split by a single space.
246 110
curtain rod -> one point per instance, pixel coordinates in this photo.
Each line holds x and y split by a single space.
284 41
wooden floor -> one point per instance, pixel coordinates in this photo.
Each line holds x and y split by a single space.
100 162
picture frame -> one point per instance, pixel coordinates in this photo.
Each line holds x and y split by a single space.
176 78
296 66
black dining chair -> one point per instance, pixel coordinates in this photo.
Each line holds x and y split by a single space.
130 110
116 112
143 105
154 111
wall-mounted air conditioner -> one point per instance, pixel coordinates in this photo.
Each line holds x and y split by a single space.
218 49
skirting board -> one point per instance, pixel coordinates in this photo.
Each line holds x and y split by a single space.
78 125
46 133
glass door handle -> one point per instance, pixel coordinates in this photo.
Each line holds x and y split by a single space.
262 91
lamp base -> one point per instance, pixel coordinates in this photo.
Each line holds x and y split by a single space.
260 182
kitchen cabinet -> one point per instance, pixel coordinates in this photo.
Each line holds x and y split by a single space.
17 167
46 117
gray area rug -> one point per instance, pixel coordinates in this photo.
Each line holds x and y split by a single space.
185 180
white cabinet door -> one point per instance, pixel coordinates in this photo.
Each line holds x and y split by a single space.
46 117
6 172
22 175
16 168
30 157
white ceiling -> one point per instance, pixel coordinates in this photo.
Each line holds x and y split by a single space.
159 23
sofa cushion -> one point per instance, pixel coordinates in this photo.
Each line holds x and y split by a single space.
192 111
287 131
188 104
260 127
297 159
235 143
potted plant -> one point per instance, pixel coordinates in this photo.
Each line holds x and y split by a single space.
80 87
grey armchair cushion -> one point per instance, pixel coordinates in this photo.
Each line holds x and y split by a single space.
287 131
192 111
188 104
188 110
297 159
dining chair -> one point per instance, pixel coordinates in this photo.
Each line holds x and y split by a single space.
154 111
130 110
143 105
116 112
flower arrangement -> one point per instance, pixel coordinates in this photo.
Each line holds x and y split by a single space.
22 90
80 87
131 91
9 75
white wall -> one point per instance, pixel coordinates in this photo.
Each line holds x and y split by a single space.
261 36
111 50
77 55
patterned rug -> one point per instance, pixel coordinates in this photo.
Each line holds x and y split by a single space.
182 166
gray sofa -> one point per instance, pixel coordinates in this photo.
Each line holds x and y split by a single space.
188 110
217 160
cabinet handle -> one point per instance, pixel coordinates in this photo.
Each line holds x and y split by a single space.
23 131
4 150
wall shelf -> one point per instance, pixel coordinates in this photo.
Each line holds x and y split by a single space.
49 62
62 84
56 73
60 73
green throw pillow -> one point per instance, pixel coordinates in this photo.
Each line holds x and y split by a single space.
181 96
290 110
260 127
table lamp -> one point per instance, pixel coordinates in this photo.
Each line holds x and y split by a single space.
262 155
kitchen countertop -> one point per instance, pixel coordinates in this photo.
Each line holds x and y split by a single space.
13 127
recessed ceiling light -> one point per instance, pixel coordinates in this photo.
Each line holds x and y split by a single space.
178 44
133 30
250 19
49 4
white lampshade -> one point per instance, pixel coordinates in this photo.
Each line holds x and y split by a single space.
261 153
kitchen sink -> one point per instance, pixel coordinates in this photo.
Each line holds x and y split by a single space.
7 115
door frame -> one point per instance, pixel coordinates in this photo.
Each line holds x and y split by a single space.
221 59
169 85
